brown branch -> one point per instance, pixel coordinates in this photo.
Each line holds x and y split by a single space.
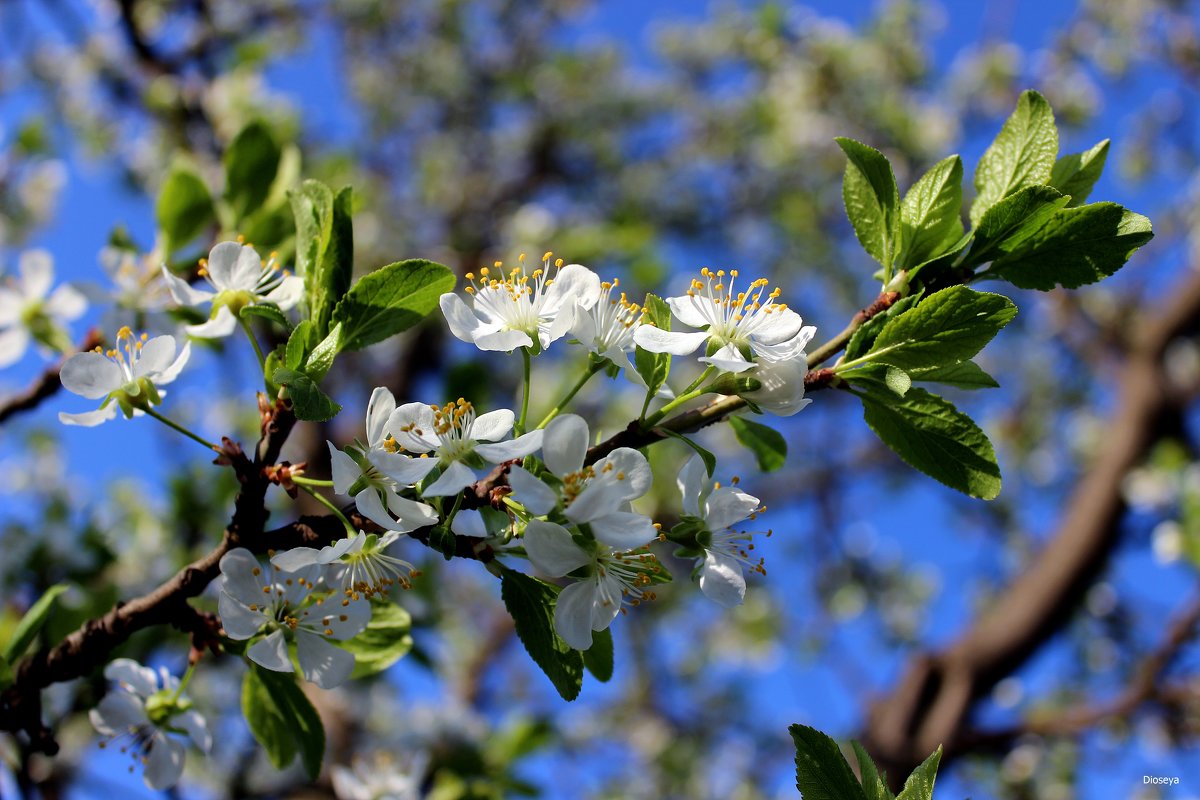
46 385
931 702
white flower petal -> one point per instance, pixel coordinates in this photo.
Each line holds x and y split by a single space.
288 293
412 515
379 408
492 426
13 344
608 601
551 549
133 676
156 356
633 465
727 506
164 762
514 448
782 391
220 265
117 712
195 727
778 326
322 663
89 419
574 283
721 579
404 470
599 497
344 468
463 324
271 653
66 303
503 341
238 568
220 326
532 493
693 482
728 358
573 613
565 444
247 269
91 375
370 505
469 522
412 426
696 311
454 478
624 530
172 372
37 273
677 343
183 292
237 619
299 558
328 617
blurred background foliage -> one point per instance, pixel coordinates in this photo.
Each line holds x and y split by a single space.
644 141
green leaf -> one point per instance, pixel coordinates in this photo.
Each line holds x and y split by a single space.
531 604
184 207
821 770
864 336
946 327
282 719
599 657
1076 174
1077 246
874 785
931 435
299 345
386 639
897 380
23 635
1012 221
654 367
6 674
710 460
963 375
929 216
308 401
322 356
324 247
872 201
1022 154
390 300
767 444
268 311
250 166
919 785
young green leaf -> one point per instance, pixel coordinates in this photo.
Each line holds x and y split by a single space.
322 356
1022 154
299 345
282 719
6 674
308 401
251 162
946 327
654 367
710 460
184 207
872 201
390 300
386 639
1012 221
873 783
32 623
1077 173
1077 246
267 311
821 770
531 604
929 216
324 247
963 375
767 444
919 785
599 657
931 435
864 336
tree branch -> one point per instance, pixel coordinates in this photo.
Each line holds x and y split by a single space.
47 384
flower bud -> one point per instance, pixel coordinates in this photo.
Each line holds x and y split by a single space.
781 389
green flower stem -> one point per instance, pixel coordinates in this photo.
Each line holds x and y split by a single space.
519 428
579 384
262 360
183 682
172 424
337 512
305 481
690 393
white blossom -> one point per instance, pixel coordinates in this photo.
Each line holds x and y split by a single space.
607 325
127 376
611 579
374 475
598 495
517 309
239 277
283 605
726 551
740 328
781 389
144 715
359 563
455 435
30 312
381 778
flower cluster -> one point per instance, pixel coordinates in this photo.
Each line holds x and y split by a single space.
30 312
